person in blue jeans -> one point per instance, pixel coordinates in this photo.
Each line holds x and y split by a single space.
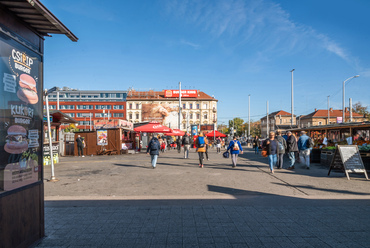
272 148
153 149
256 144
292 148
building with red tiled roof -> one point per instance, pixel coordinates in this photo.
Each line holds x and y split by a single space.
278 121
197 108
324 117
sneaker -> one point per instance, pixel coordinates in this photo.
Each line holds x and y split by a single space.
154 167
234 166
290 168
83 156
307 167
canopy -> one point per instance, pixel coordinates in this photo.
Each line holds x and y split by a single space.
176 132
215 133
153 127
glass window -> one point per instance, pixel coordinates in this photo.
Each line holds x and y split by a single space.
130 116
118 115
137 116
197 105
191 116
205 116
137 106
130 106
184 106
198 116
118 107
191 106
71 114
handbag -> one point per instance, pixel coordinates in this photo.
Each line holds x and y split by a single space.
264 152
226 154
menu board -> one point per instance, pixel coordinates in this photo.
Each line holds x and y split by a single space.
20 114
348 158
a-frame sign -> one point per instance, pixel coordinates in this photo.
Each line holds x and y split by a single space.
348 158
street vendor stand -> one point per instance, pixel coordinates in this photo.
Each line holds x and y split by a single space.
142 129
327 137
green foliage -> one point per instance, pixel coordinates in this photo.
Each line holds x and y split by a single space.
362 110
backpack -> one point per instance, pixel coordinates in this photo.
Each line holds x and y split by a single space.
218 141
309 143
281 146
186 140
153 146
201 142
235 146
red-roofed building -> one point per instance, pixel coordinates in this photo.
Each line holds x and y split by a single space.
197 107
321 116
278 121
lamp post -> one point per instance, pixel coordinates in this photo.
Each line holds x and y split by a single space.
46 93
291 121
249 115
328 112
343 103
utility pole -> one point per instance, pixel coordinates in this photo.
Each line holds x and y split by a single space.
267 118
249 115
350 110
179 105
291 121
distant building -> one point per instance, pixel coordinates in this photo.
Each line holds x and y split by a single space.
85 104
278 121
324 117
197 108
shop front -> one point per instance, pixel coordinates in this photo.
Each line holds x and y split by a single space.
21 120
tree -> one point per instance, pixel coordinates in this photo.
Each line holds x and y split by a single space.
362 110
223 128
236 124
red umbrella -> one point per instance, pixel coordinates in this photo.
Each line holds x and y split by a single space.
153 127
216 133
176 132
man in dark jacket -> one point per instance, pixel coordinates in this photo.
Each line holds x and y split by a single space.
282 147
153 150
292 148
80 146
186 143
272 148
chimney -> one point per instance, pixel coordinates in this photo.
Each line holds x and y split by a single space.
331 109
315 109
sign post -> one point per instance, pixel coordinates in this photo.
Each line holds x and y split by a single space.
348 158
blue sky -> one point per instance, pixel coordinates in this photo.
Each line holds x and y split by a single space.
226 48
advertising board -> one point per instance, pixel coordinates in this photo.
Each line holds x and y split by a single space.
102 136
115 123
184 93
20 115
166 114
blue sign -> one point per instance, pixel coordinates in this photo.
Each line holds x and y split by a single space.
194 130
46 118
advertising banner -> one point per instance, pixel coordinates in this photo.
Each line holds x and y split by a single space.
115 123
20 115
194 130
102 137
339 119
166 114
184 93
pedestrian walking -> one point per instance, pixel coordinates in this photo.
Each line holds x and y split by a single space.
200 144
256 144
235 148
304 149
218 145
227 143
207 147
292 148
153 150
80 146
178 144
282 147
272 148
186 143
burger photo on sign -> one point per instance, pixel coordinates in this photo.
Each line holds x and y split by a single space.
16 141
27 91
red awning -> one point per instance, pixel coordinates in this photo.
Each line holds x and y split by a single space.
216 133
176 132
153 127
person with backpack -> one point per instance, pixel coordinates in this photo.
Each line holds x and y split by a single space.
305 145
282 147
201 143
153 150
186 143
235 148
272 148
218 145
292 148
178 144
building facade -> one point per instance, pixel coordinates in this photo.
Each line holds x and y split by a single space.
324 117
86 106
197 108
278 121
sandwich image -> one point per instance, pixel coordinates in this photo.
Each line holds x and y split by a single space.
27 91
16 140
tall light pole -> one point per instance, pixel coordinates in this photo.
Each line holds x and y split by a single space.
47 92
343 103
291 121
328 111
179 105
249 115
267 120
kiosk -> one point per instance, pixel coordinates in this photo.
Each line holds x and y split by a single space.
23 26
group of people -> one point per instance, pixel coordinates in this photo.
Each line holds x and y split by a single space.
201 144
276 146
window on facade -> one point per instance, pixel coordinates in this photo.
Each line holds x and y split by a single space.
184 126
130 106
198 116
71 114
184 106
205 116
184 116
67 106
130 115
85 107
103 107
118 107
197 105
281 121
205 105
191 116
137 116
117 115
137 106
191 106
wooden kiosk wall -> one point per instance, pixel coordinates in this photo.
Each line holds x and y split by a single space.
22 210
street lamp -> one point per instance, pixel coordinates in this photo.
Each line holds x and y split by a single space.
291 121
343 103
46 93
